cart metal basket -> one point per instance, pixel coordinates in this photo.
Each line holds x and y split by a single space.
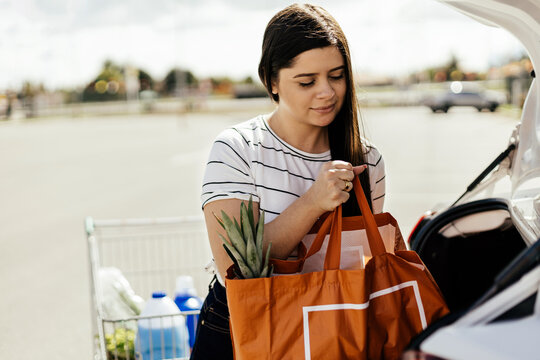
150 254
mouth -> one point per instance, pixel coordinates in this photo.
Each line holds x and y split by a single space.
324 109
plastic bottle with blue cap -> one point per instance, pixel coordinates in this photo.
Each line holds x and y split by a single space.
187 300
164 335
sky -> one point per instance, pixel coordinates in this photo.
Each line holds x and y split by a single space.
63 43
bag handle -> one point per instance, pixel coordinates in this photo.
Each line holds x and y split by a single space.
333 252
294 266
333 223
376 244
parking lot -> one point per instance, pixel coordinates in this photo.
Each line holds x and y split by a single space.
56 171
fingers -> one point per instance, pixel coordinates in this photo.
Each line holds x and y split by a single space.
345 166
344 198
333 184
359 169
338 164
342 174
337 193
348 175
347 186
339 197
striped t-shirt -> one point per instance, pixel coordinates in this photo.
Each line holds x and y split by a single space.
250 159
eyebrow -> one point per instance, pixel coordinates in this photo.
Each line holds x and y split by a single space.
312 74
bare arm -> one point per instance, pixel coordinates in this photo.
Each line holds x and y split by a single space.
290 227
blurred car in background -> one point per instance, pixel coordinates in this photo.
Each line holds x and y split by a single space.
484 249
460 96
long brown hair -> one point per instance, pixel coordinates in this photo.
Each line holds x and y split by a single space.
299 28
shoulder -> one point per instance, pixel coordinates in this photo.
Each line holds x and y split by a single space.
243 134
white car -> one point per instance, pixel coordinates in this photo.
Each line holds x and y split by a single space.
484 250
445 101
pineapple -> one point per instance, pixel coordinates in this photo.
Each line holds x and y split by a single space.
245 243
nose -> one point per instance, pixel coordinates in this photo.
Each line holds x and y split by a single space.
325 90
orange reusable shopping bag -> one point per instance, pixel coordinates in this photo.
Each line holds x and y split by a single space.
369 313
355 250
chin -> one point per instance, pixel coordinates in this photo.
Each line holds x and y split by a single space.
324 120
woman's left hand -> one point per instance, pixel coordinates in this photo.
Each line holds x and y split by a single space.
332 186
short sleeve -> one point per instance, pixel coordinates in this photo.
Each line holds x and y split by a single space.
228 173
377 179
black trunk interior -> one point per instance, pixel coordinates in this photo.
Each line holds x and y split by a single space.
465 266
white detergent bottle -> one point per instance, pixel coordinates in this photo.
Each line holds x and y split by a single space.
164 335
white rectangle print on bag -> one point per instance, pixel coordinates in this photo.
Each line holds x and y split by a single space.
306 310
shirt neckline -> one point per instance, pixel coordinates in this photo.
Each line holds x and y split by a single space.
325 154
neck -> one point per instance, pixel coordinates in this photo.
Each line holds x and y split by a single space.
306 137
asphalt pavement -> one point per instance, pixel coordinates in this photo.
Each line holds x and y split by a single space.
56 171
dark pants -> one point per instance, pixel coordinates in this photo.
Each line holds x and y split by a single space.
213 339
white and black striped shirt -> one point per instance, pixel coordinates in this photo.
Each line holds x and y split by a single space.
250 159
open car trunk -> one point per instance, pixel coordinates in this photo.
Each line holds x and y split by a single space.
466 247
485 254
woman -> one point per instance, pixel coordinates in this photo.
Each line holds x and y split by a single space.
297 162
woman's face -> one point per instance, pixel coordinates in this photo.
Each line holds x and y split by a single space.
312 90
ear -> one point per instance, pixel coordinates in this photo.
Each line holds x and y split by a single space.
274 87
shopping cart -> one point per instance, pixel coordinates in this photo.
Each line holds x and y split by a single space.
150 254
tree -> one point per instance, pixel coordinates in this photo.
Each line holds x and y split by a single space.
108 84
178 80
145 80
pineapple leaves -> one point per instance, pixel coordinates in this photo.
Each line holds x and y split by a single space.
245 243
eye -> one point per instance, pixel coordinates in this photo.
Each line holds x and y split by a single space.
337 77
307 84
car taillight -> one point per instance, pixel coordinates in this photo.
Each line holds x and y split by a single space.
419 355
417 226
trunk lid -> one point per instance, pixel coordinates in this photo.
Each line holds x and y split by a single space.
522 19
